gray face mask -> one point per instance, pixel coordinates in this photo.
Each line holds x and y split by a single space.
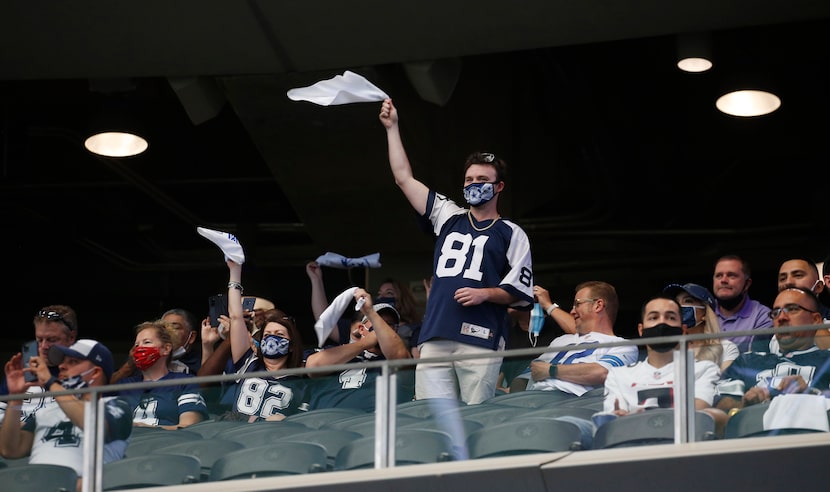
479 193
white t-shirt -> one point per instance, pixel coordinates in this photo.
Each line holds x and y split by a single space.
641 385
607 357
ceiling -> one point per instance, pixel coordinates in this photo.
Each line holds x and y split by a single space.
620 166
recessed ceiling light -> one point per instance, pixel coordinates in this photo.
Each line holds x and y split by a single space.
116 144
748 102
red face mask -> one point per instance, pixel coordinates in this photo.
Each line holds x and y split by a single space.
145 357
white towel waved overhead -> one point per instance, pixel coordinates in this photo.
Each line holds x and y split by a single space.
226 241
328 318
341 89
335 260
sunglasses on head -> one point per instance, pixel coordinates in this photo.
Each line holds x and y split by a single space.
54 316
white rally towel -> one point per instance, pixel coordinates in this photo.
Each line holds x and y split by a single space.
797 411
226 241
335 260
341 89
328 319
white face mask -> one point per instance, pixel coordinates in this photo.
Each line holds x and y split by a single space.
813 288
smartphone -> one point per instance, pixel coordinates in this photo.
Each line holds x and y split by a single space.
29 349
218 305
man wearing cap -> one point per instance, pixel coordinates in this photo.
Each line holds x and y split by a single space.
55 433
372 338
54 325
697 306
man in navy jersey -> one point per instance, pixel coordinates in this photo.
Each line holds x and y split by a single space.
801 367
481 265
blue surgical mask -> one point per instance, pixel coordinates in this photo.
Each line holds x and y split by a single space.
479 193
688 313
274 346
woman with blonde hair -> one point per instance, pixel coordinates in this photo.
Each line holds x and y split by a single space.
697 307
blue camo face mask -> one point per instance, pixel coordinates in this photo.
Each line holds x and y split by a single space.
479 193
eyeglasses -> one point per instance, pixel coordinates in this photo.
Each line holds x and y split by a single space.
577 302
54 316
789 309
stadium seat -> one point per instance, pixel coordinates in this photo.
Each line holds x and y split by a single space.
654 426
365 424
39 478
524 436
260 433
331 439
530 399
153 442
151 470
279 458
209 428
429 407
558 411
207 450
316 418
412 446
486 414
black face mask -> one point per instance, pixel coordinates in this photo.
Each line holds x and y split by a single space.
662 330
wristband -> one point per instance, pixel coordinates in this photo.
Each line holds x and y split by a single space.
50 382
554 368
551 308
235 285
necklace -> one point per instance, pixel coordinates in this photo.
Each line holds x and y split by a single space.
470 217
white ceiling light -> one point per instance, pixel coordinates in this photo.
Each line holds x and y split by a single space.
694 52
116 144
748 102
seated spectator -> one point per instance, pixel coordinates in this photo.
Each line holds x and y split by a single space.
801 367
166 407
371 338
736 311
55 433
697 306
801 272
278 345
582 368
650 383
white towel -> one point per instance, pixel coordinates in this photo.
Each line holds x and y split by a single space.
341 89
797 411
335 260
329 317
226 241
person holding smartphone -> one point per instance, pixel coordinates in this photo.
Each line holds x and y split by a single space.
54 325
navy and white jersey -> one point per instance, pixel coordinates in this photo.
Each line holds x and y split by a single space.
261 397
478 255
752 368
356 388
60 442
641 386
163 405
31 404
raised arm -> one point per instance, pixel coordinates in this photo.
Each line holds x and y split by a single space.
239 336
415 191
319 303
389 341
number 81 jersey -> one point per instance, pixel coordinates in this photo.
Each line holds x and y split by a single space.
468 253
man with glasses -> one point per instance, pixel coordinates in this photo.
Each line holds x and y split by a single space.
54 325
582 368
481 265
802 367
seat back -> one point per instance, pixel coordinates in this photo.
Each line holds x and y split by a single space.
281 458
331 439
150 470
147 443
39 478
207 450
429 407
260 433
317 418
209 428
524 436
365 424
530 399
484 413
654 426
412 446
558 411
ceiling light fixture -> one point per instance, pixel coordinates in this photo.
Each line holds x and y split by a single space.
116 144
694 52
115 130
748 103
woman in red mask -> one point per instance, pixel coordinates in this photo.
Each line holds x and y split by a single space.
167 407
